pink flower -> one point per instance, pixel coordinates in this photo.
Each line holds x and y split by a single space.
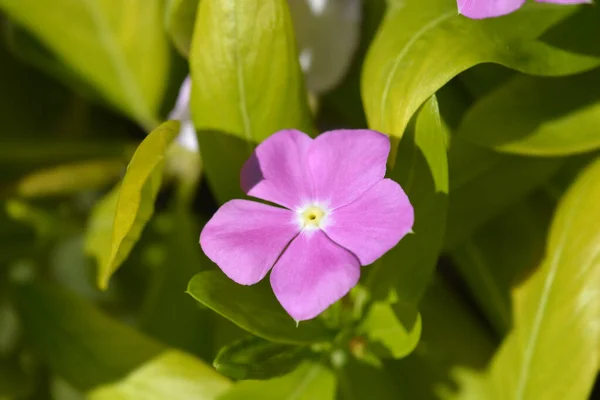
478 9
340 213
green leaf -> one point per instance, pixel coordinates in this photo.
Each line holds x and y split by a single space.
68 178
168 313
396 326
359 381
116 46
246 82
501 253
89 349
179 20
402 69
551 352
98 233
137 194
484 183
308 382
537 116
255 358
14 383
253 308
422 171
172 373
453 343
79 343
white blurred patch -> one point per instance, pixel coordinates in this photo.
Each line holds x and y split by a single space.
306 59
317 6
187 136
187 133
327 32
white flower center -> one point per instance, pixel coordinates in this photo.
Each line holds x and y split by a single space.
311 217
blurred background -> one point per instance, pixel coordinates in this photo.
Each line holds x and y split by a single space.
96 255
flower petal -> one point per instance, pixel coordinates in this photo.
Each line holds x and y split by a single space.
566 1
244 238
313 273
277 170
346 163
374 223
479 9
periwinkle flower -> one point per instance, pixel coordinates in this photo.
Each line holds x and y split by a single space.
478 9
337 212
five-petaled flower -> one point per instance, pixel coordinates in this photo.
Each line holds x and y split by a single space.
478 9
338 213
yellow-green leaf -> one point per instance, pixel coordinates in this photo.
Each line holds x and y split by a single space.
117 46
172 373
403 67
246 84
309 382
137 194
396 326
538 116
552 351
69 178
179 20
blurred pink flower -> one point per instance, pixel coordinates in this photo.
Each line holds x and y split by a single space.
340 213
478 9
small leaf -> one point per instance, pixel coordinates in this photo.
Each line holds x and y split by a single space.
402 69
552 350
179 20
137 194
255 358
246 83
69 178
537 116
422 171
253 308
308 382
396 326
172 373
116 46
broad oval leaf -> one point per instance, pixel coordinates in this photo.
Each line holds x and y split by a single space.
246 83
552 351
116 46
253 308
402 69
309 382
255 358
137 194
537 116
422 170
172 373
89 349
